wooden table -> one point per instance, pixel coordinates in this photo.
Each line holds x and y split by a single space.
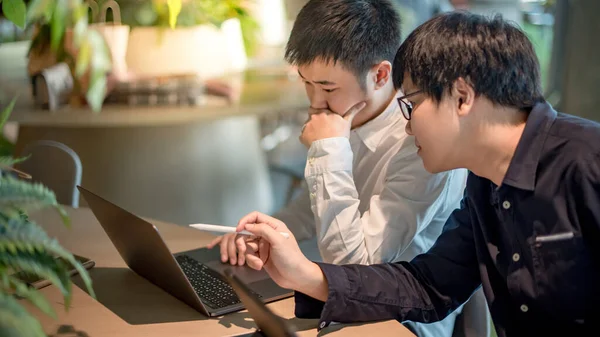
128 305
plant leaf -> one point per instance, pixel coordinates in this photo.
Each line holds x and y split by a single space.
40 264
5 114
101 59
25 233
63 215
96 91
38 9
100 66
79 30
31 294
15 321
174 10
15 11
58 24
7 148
83 58
159 7
18 195
6 162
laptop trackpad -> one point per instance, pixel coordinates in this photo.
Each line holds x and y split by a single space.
245 273
212 258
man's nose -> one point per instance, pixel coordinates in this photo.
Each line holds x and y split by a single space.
318 101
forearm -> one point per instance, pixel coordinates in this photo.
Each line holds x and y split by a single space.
339 231
334 202
424 290
359 293
411 199
298 217
312 282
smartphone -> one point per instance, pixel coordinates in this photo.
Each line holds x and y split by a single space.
37 282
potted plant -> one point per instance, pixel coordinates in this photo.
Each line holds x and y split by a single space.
179 37
25 248
61 34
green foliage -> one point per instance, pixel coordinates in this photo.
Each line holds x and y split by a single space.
25 249
55 17
6 147
15 321
250 30
6 112
19 195
162 13
15 10
174 7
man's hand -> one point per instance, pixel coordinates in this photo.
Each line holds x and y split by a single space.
326 124
233 248
281 257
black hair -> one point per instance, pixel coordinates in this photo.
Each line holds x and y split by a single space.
492 55
356 33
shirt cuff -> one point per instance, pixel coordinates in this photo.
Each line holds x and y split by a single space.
338 286
328 155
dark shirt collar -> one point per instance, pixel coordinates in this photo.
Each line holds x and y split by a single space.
522 170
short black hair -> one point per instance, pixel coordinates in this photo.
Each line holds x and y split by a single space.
356 33
491 54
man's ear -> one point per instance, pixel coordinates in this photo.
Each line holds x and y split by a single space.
381 74
463 96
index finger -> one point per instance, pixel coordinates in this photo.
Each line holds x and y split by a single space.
214 242
257 217
266 232
351 113
313 111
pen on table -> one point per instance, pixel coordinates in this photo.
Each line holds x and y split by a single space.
226 229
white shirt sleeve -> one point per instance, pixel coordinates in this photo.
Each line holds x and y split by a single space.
298 217
410 199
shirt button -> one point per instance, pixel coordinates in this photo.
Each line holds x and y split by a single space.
516 257
312 195
311 160
506 204
524 308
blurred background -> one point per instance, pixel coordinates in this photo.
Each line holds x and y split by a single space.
199 118
202 116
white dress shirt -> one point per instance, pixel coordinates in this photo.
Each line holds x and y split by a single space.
369 199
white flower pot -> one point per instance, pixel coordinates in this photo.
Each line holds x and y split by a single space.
204 50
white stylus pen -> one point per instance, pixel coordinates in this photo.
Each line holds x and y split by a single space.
225 229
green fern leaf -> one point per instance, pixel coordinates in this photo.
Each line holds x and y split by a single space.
15 321
6 112
63 215
9 282
42 265
29 238
18 193
17 196
7 162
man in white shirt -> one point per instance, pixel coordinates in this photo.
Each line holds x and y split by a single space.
368 198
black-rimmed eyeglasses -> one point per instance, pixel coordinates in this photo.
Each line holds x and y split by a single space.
406 106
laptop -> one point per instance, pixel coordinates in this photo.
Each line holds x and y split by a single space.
269 324
195 277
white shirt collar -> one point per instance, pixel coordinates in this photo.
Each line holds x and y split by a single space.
373 131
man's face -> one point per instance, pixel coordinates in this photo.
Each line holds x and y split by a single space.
332 87
435 128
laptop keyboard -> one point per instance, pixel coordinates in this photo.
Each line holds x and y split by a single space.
212 289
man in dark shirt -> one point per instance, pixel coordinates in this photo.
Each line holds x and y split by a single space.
528 230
